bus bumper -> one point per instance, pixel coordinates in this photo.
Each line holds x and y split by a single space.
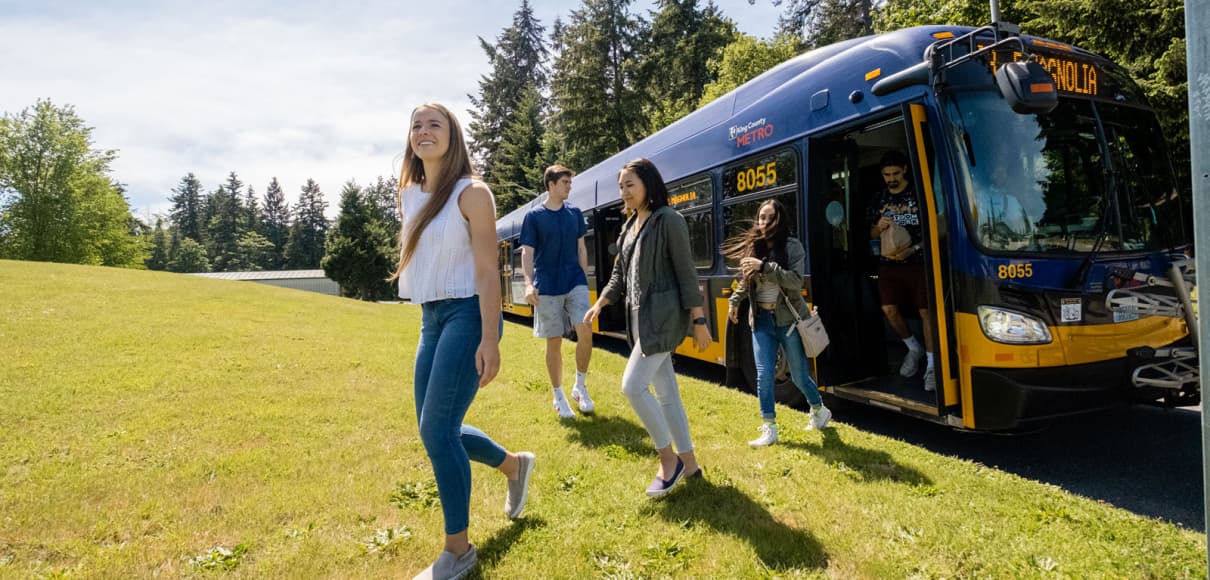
1023 398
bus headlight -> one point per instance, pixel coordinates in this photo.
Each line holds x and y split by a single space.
1012 327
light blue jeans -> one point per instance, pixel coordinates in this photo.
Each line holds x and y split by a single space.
446 382
766 337
663 414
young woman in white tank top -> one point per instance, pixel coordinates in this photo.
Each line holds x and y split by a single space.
447 264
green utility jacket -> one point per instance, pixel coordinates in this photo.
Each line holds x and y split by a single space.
667 280
790 281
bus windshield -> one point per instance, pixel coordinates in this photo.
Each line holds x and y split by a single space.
1063 182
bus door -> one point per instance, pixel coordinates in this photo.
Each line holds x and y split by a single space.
868 357
606 225
842 266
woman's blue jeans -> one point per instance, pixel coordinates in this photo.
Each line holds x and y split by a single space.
766 337
446 382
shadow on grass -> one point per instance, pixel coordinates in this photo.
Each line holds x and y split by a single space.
727 510
610 431
492 550
860 463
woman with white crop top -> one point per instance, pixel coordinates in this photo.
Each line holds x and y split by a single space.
447 264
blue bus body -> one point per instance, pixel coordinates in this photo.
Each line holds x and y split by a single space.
816 120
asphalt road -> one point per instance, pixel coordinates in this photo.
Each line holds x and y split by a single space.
1146 460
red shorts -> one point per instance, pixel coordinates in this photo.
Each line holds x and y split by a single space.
903 285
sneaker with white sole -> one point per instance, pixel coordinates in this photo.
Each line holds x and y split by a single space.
579 394
561 405
450 567
768 436
819 418
518 489
911 363
930 380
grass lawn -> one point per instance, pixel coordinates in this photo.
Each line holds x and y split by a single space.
155 424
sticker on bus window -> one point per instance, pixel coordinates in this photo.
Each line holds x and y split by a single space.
1070 310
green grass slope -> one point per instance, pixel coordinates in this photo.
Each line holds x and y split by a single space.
154 424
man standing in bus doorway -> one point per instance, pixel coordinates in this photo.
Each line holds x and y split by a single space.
555 262
901 265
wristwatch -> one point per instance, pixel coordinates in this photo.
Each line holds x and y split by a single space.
700 320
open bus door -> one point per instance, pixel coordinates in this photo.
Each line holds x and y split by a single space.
864 358
841 265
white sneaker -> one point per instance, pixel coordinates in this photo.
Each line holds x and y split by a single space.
930 380
911 363
561 405
579 394
819 418
450 567
768 436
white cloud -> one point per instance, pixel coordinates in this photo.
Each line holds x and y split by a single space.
318 89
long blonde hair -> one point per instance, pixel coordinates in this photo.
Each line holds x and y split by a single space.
455 166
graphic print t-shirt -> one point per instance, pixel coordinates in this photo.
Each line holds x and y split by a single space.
904 210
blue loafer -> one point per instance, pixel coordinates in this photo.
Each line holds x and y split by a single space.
660 486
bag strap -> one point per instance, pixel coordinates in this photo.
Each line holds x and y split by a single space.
788 304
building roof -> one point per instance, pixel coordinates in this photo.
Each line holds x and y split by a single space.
268 275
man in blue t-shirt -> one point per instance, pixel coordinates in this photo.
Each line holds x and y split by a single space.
555 262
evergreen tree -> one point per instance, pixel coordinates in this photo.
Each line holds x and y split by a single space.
745 59
251 222
596 86
823 22
186 212
305 246
190 257
355 256
160 249
518 60
275 224
684 37
225 225
521 163
56 202
380 196
252 252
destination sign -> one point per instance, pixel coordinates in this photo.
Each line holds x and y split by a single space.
690 194
1071 75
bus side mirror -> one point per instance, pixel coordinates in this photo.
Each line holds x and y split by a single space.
1027 87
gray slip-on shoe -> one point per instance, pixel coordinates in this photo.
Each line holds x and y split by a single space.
450 567
518 490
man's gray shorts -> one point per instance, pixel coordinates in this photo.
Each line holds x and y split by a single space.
556 315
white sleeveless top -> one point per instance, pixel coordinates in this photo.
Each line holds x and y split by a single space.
442 266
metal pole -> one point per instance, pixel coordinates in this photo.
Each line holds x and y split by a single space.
1197 56
995 11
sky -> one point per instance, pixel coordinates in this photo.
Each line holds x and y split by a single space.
310 89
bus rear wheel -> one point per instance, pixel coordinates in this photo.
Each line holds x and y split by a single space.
785 391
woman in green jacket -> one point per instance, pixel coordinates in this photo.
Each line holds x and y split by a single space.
654 273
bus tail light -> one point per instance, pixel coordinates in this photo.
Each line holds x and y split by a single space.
1010 327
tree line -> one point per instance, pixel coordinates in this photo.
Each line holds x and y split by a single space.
229 229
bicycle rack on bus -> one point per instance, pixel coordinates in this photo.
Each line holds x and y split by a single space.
1171 367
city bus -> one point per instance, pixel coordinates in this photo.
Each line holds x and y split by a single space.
1023 328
